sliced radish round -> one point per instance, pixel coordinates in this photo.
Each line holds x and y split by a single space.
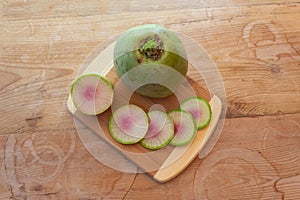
128 124
185 127
160 132
92 94
199 108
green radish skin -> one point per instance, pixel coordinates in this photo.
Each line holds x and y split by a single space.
150 44
185 127
92 94
128 124
200 109
160 132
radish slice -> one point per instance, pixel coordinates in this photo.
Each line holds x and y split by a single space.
92 94
160 132
185 127
128 124
200 109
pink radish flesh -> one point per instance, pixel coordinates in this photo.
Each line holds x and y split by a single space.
179 128
196 113
160 132
92 94
126 123
89 93
200 110
153 130
184 127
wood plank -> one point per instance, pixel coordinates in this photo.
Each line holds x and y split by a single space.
256 46
43 43
32 99
55 164
17 9
289 187
42 165
39 58
243 165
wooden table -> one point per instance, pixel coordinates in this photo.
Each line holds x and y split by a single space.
256 46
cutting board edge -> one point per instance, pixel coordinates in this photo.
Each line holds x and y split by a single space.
185 155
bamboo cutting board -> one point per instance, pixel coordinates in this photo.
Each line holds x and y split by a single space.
164 164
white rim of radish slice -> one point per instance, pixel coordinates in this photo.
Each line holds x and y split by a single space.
199 108
160 132
187 127
126 130
101 90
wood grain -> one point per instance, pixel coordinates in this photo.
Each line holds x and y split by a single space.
81 176
255 45
17 9
64 43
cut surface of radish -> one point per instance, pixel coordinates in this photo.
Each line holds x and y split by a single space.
160 132
185 127
92 94
199 108
128 124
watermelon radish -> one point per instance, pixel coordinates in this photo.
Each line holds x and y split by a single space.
160 132
128 124
155 46
92 94
199 108
185 127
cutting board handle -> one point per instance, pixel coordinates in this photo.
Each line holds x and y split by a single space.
181 157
